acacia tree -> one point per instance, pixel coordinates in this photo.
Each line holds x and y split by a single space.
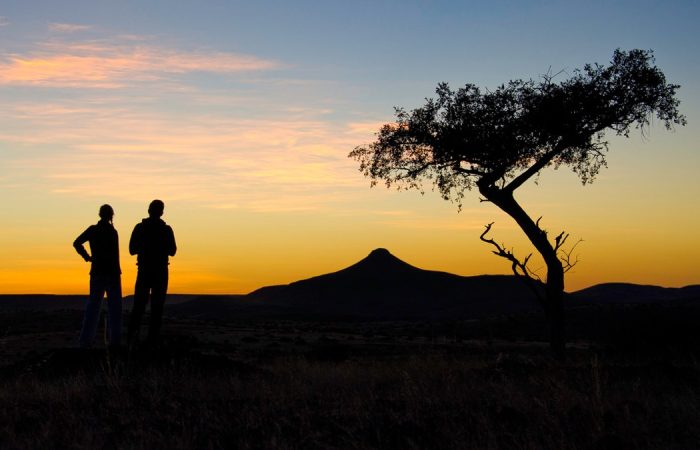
497 140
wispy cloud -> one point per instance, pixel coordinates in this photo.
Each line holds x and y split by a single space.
68 27
4 21
273 164
262 147
112 64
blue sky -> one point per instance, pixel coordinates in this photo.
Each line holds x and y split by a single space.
241 114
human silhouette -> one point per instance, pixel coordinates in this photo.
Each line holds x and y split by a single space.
105 276
153 241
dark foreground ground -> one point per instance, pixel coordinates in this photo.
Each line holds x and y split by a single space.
294 384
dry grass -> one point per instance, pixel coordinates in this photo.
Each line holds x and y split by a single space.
416 401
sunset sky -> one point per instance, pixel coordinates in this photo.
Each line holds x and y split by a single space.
240 116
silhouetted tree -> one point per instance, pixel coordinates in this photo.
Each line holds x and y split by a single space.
497 140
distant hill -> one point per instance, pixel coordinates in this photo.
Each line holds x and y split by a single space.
628 293
383 286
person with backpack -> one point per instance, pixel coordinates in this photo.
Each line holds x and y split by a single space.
153 241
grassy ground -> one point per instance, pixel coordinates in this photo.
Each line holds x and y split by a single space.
280 384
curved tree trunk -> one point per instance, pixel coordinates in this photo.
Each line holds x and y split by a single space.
554 287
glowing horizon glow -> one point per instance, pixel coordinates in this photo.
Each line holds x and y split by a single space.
241 117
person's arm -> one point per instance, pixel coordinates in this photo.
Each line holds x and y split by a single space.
136 241
78 244
172 248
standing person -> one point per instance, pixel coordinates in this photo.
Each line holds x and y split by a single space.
153 241
105 276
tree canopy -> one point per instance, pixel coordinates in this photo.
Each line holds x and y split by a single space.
503 137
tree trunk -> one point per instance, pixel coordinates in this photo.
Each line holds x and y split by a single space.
554 301
554 287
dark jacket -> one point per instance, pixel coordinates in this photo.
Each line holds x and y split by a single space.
104 246
153 241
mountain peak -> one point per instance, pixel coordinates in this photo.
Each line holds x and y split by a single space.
382 256
380 252
383 286
380 260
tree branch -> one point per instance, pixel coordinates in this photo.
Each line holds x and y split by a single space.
412 172
519 268
567 263
560 240
464 171
533 169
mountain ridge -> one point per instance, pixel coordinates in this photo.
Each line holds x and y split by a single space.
382 286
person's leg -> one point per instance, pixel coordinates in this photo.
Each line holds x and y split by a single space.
158 293
140 299
114 310
92 311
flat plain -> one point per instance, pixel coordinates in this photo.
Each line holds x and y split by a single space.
276 382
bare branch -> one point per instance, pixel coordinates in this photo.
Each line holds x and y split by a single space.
567 263
560 240
519 268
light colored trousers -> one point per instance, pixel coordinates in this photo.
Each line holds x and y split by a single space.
99 285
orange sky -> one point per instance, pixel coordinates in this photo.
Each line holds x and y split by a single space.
236 250
246 141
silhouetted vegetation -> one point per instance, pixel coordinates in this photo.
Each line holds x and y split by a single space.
260 383
496 140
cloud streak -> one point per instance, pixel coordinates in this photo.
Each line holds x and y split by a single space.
108 65
68 27
274 164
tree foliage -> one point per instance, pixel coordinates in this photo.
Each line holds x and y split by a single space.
503 137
